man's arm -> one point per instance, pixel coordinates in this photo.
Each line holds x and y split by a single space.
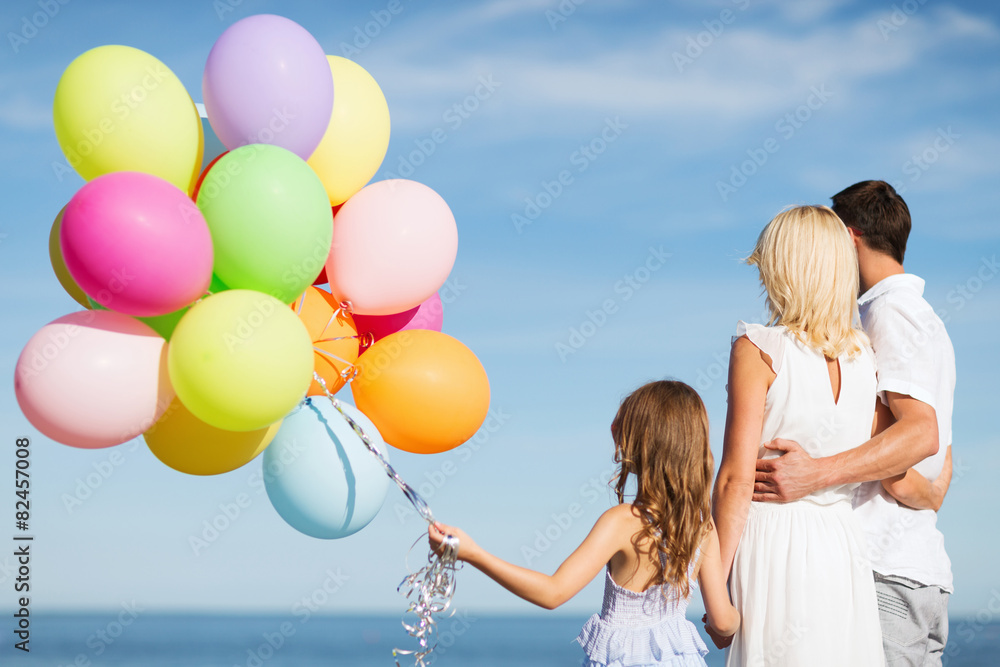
914 490
795 474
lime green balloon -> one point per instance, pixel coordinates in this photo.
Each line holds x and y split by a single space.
165 325
217 285
120 109
270 219
240 360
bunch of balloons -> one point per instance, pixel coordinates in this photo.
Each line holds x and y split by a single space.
206 313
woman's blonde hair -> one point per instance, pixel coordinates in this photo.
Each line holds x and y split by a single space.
661 437
809 269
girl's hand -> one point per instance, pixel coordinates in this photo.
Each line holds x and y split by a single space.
436 533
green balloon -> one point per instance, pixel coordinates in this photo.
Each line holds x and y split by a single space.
165 324
270 219
161 324
217 285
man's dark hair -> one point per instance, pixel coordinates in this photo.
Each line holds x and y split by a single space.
877 211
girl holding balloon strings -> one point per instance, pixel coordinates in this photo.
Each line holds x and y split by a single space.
653 547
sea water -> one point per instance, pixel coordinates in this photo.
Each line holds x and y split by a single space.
148 640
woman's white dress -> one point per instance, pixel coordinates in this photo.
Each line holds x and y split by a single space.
801 578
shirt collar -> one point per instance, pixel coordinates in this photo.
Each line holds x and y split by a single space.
893 282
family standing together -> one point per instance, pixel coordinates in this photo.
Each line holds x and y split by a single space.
818 544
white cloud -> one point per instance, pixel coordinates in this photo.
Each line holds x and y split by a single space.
501 9
22 112
744 73
805 12
952 22
948 158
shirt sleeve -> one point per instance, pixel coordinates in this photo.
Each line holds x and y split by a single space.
905 352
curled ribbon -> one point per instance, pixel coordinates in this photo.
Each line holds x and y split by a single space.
431 588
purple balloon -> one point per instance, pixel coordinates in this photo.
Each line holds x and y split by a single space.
428 315
267 81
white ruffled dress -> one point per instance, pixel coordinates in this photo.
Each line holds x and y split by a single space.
642 630
801 577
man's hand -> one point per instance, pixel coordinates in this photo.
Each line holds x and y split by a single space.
720 641
943 481
791 476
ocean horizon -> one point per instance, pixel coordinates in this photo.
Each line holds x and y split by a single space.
133 638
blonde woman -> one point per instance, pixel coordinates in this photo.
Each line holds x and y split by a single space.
799 574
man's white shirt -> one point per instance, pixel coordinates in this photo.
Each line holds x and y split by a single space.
914 356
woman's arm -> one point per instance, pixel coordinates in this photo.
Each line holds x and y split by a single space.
608 536
750 375
721 617
914 490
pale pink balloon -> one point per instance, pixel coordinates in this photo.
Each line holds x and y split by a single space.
136 244
428 315
93 379
394 243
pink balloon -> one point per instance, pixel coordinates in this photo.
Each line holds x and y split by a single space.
428 315
136 244
267 81
394 243
93 379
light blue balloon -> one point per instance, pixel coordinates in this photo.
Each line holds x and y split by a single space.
319 475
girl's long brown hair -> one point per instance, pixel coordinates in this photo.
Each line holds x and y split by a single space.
661 437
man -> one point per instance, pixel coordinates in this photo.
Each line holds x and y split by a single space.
916 380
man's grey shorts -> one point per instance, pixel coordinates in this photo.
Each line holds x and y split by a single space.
914 621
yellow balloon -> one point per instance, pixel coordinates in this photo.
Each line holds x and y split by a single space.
59 265
120 109
240 360
358 134
189 445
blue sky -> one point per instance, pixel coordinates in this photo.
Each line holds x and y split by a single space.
641 117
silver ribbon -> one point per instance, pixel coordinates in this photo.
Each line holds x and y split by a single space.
430 589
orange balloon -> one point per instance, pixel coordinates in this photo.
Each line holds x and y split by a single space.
425 391
204 173
333 335
59 265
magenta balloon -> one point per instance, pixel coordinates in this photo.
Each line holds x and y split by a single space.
136 244
93 379
428 315
394 243
267 81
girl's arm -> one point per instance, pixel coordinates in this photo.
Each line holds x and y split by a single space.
722 619
608 536
911 488
750 375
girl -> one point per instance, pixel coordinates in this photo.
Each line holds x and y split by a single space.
800 573
652 547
